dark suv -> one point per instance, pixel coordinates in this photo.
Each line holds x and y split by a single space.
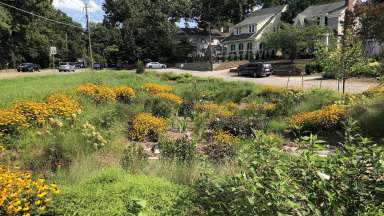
28 67
255 69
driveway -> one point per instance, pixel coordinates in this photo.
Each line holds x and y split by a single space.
309 82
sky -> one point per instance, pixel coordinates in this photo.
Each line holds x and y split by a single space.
75 9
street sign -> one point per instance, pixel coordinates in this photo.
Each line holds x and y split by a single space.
52 51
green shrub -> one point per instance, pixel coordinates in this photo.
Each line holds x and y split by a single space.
230 58
133 158
183 150
114 193
221 147
237 126
271 182
313 67
159 107
140 67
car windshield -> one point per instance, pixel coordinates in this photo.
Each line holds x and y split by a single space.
26 64
64 64
267 65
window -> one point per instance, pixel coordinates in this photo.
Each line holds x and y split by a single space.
249 46
318 20
252 28
241 46
238 30
325 21
260 46
233 47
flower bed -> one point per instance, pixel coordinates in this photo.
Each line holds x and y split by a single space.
124 94
326 118
99 93
154 88
20 194
146 126
170 97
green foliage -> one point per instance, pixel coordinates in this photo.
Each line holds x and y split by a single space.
140 67
312 68
292 39
271 182
159 107
133 158
111 192
237 126
182 150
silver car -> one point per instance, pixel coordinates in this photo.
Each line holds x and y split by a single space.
66 67
156 65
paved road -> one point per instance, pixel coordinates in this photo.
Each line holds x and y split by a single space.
11 74
314 81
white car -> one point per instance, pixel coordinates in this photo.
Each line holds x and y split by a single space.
156 65
66 67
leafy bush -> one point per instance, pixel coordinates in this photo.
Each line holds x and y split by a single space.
271 182
11 122
145 126
21 194
63 106
99 93
133 158
312 68
159 107
112 192
186 109
237 126
92 136
222 146
124 94
140 67
182 150
35 113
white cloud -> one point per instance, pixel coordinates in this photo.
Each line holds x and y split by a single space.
76 5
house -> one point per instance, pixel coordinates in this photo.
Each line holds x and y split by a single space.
245 39
199 38
328 15
332 16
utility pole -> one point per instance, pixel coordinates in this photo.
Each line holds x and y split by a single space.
89 34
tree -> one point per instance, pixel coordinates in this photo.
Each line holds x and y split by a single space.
292 40
340 61
147 27
371 18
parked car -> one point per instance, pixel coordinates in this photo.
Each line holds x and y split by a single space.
255 69
66 67
97 66
28 67
155 65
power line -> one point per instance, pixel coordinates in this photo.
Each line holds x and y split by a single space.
42 17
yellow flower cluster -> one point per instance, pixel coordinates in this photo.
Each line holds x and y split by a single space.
26 114
170 97
20 194
267 90
231 106
268 107
145 125
378 90
63 105
99 93
124 94
11 122
35 113
327 117
2 149
210 110
154 88
224 138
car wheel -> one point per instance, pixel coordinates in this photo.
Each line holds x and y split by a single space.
268 75
163 66
33 70
255 75
150 67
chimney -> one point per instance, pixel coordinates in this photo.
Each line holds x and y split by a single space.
349 4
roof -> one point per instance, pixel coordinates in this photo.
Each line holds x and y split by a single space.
256 17
317 10
261 15
199 31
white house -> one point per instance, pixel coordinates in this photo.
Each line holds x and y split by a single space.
246 36
328 15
